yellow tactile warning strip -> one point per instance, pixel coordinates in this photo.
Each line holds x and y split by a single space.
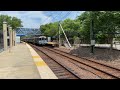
40 63
36 56
44 71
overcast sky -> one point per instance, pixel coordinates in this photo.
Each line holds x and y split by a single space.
33 19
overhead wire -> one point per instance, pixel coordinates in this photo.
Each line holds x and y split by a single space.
51 15
46 18
56 17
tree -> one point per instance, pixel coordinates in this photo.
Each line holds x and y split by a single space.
50 29
84 20
13 21
109 21
106 24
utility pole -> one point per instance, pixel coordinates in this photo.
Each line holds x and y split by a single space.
65 36
92 40
59 32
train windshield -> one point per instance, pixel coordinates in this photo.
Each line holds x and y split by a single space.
42 38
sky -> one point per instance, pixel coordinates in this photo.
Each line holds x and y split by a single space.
33 19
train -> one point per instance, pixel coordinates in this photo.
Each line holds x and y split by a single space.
40 40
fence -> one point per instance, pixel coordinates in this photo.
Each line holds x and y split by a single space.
1 40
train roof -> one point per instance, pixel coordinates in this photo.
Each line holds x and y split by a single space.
40 37
36 37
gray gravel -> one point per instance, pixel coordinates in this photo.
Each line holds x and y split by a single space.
100 55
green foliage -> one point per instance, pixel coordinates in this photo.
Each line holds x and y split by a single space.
16 23
106 24
13 21
50 29
71 28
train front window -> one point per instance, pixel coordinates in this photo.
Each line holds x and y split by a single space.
44 38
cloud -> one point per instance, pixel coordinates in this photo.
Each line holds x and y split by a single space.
30 19
33 19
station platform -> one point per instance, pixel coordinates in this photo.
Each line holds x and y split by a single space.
23 62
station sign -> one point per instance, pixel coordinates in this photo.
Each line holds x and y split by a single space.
92 42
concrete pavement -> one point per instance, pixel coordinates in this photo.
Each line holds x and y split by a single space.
18 64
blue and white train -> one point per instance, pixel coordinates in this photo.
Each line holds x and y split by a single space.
41 40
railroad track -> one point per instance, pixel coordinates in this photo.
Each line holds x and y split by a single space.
60 71
101 70
88 59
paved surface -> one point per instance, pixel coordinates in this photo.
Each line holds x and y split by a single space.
18 64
